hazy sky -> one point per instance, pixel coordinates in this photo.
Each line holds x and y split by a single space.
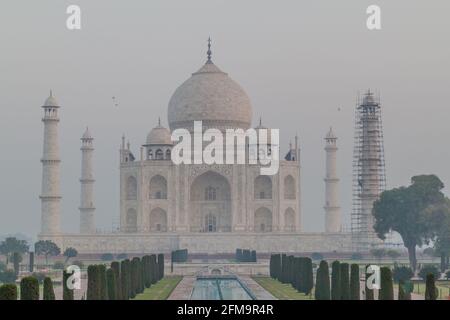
299 61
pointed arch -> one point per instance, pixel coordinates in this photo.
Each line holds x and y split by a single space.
263 220
263 187
131 220
131 188
158 220
290 190
158 187
289 220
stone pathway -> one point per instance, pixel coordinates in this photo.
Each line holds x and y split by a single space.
259 292
184 289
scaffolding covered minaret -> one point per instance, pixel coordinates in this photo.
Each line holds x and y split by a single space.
369 178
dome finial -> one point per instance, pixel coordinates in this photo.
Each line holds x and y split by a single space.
260 121
209 53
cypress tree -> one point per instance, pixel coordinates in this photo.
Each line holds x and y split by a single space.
141 276
386 285
8 292
92 286
16 262
31 264
369 292
284 266
431 292
322 282
124 279
253 255
290 269
116 267
68 293
154 267
111 284
49 293
134 271
308 276
354 282
297 275
103 289
335 280
160 266
345 282
271 266
29 288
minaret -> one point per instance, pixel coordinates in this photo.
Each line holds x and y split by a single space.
332 209
50 193
87 209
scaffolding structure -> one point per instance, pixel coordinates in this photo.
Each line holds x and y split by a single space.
369 177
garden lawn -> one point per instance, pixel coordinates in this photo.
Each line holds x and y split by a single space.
160 290
280 290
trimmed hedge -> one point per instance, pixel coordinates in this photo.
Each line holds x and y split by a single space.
8 292
336 281
111 284
49 293
67 293
103 290
29 288
116 268
322 291
345 281
354 282
386 291
160 266
431 292
125 279
93 287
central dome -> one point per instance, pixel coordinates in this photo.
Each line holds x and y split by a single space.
213 97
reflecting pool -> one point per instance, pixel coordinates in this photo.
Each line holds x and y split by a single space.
220 288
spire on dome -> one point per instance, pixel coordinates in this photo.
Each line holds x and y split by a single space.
209 52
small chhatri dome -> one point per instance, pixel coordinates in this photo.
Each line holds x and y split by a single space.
330 134
51 101
159 135
87 135
211 96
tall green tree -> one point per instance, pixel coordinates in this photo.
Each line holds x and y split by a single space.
101 272
322 291
386 284
345 282
404 210
12 244
161 266
68 292
111 284
116 267
93 286
70 253
17 259
440 217
354 282
431 292
124 279
29 288
46 248
336 280
8 291
49 293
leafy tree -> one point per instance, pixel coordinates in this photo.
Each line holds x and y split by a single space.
378 253
70 253
402 273
441 217
336 280
29 288
107 257
447 275
393 254
49 293
386 285
354 282
8 292
345 282
46 248
12 244
404 210
431 292
429 252
322 291
427 269
2 266
356 256
316 256
8 276
122 256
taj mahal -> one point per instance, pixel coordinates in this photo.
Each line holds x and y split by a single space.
206 208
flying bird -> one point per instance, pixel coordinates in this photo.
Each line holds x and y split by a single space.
115 102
